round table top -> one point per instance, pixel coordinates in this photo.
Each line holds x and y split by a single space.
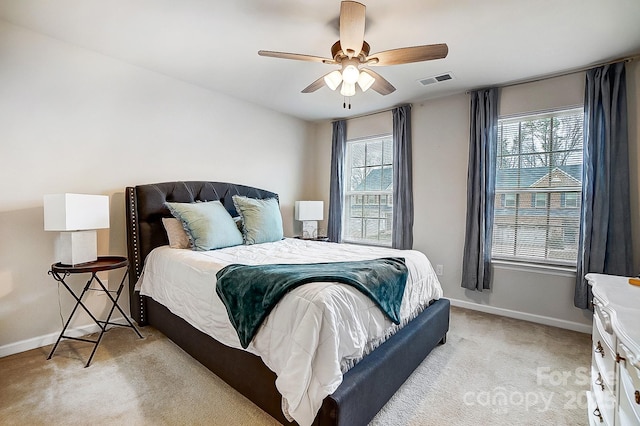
103 263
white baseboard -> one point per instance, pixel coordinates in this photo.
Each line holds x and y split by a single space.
540 319
49 339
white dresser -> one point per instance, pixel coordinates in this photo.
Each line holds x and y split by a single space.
614 399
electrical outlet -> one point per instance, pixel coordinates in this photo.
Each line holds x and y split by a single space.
439 270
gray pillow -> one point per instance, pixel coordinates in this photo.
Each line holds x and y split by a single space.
208 225
261 219
178 237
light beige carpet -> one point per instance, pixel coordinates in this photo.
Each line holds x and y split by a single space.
491 371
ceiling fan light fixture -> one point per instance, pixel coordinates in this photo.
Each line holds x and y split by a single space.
333 79
350 74
365 81
348 89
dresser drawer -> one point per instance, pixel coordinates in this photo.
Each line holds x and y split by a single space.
603 358
629 407
595 416
604 401
629 389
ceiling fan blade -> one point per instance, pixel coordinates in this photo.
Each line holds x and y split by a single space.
352 22
407 55
381 85
295 56
314 86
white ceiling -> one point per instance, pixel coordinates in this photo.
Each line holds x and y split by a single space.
214 43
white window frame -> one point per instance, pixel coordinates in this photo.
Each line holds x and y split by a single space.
502 230
348 193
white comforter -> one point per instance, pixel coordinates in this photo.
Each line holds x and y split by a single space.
313 334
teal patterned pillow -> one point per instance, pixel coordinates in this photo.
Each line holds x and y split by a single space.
261 219
208 225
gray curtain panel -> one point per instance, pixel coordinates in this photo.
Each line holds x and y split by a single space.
402 235
483 140
336 188
605 226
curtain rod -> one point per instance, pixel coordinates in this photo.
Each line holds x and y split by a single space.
513 83
561 74
371 113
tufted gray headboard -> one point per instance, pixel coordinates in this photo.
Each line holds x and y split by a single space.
145 210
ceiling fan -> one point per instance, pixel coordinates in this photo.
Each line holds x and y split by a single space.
351 52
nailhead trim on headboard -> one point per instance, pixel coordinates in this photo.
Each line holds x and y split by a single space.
146 208
134 259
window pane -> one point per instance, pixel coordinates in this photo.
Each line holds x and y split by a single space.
508 139
357 154
374 153
387 178
357 179
568 133
387 157
371 229
372 208
355 206
373 179
354 229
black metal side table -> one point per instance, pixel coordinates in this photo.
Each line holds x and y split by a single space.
104 263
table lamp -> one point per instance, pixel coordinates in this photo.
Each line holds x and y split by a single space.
309 213
76 216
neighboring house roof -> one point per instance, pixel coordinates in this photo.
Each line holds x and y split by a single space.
377 175
508 178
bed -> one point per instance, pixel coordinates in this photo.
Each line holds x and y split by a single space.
364 388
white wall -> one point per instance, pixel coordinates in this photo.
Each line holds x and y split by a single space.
75 121
440 157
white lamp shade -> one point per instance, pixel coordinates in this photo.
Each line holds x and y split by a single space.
74 212
309 210
348 89
333 79
365 81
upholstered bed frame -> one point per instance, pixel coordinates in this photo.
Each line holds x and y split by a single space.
365 388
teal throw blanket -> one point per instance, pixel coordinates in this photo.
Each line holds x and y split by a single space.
251 291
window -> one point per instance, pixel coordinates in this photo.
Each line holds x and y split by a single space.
368 203
538 188
540 200
571 200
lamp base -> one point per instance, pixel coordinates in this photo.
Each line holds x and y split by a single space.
75 247
309 229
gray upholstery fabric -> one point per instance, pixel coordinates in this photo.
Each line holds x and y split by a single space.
476 263
334 225
402 236
605 232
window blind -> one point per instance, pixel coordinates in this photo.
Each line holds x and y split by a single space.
369 191
539 187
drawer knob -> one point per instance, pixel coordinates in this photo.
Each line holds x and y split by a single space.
596 413
599 349
637 395
599 381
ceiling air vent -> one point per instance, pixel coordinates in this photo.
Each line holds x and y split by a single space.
435 79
